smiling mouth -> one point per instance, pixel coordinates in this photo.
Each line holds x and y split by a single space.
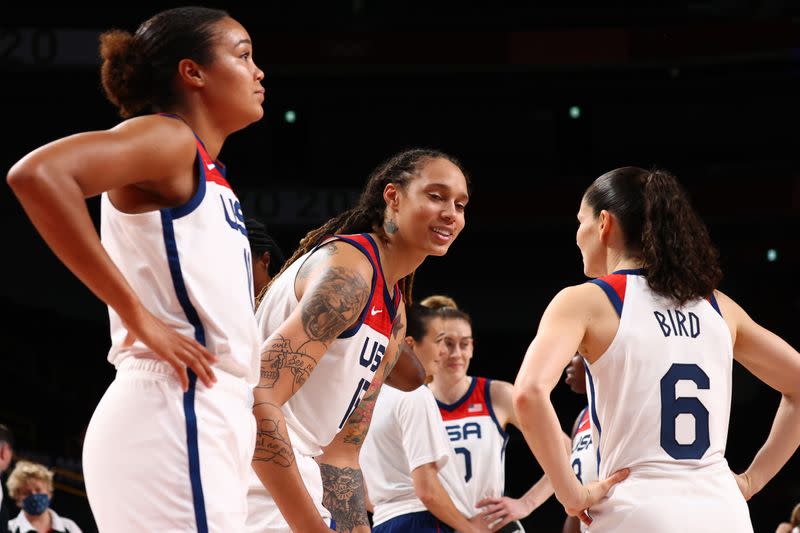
443 233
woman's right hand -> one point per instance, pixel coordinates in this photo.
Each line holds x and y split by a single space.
593 493
179 351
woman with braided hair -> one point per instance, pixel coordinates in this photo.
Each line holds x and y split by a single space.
334 317
659 341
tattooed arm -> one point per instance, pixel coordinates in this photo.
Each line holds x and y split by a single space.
333 290
342 480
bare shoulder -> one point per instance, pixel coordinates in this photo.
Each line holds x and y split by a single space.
164 139
333 291
499 387
501 393
337 255
142 149
733 314
728 307
584 299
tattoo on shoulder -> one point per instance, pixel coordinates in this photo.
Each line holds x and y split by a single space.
336 303
280 355
343 496
327 250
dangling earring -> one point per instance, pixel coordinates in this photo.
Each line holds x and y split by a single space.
390 227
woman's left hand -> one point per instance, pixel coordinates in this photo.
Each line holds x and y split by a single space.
497 512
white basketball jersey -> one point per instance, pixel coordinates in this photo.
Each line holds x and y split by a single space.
316 413
584 456
660 395
659 402
406 432
190 266
478 441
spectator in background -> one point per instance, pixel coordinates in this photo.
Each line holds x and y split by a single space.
6 454
268 259
793 525
31 486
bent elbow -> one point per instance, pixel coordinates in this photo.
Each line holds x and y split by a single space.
17 177
24 176
524 397
425 495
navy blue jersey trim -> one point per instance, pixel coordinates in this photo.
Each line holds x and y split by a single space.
194 201
487 395
193 450
353 330
595 419
457 404
388 298
611 293
713 301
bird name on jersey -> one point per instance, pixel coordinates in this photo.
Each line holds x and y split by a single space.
676 323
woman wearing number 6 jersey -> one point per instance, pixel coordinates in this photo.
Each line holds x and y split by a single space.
333 318
659 341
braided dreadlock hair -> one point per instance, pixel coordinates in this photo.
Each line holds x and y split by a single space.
368 215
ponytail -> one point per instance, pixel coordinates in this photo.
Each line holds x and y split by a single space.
661 228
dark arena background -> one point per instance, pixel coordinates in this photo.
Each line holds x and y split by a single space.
536 99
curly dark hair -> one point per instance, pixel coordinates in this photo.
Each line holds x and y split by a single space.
660 227
138 70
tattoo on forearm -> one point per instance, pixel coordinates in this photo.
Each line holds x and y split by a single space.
279 355
397 325
357 426
336 303
355 430
343 496
272 440
390 364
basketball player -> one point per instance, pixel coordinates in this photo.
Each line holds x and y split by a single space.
659 342
476 411
339 296
407 460
163 452
583 457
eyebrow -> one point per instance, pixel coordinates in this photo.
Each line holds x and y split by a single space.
447 187
244 41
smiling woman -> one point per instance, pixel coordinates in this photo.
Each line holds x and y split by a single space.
333 320
163 451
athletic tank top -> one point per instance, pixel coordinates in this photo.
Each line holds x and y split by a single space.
190 266
660 395
584 458
316 413
478 440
